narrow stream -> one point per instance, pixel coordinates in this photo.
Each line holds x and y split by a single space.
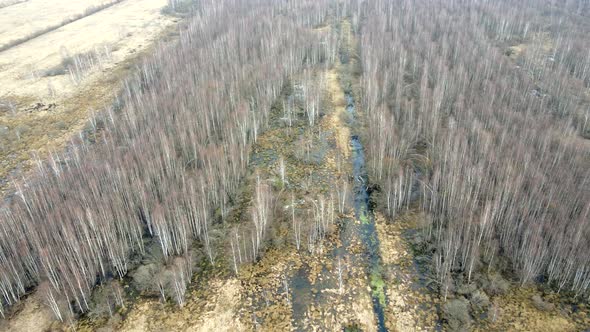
368 232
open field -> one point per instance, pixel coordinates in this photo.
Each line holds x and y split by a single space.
28 18
49 84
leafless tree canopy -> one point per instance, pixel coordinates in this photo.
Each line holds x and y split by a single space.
492 150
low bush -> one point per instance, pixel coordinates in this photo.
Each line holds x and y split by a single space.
496 284
178 7
143 279
105 300
456 314
542 305
480 302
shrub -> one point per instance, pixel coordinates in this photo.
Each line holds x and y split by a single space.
278 233
62 68
54 71
352 328
480 302
178 7
456 314
542 305
21 129
105 299
496 284
466 289
143 278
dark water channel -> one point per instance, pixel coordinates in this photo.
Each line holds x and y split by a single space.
368 231
301 290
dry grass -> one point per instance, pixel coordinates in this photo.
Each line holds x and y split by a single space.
342 132
515 311
402 312
515 51
220 314
541 41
